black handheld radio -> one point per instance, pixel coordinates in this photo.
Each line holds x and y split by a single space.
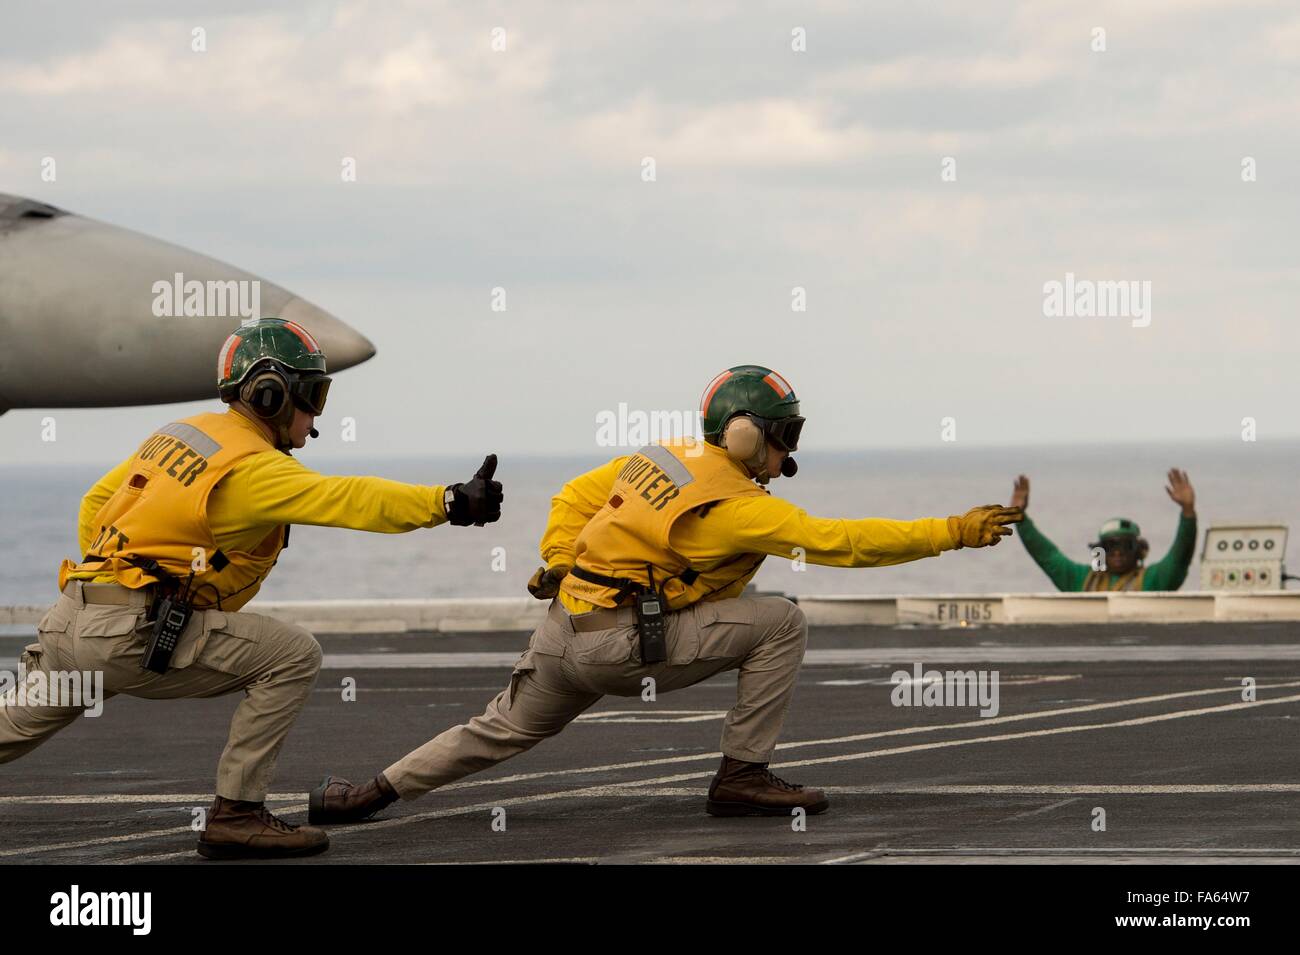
173 615
171 611
651 622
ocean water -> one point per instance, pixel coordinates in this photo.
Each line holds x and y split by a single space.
1074 489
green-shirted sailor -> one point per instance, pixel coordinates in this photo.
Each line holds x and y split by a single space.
1125 549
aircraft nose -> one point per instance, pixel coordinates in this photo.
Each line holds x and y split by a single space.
343 345
94 315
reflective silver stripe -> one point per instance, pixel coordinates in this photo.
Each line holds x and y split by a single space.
192 436
661 456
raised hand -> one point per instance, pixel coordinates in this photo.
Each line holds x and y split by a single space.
1181 492
1020 493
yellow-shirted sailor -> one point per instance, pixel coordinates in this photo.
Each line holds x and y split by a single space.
203 507
684 521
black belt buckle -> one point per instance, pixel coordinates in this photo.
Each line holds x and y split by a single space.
652 626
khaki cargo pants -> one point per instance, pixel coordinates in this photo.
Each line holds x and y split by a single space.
274 663
562 673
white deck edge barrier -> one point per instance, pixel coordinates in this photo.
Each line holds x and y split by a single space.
945 610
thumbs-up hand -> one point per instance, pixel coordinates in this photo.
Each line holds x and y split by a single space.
477 501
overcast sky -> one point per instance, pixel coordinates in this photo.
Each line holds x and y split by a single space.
774 168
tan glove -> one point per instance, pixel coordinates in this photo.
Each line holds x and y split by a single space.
984 526
545 584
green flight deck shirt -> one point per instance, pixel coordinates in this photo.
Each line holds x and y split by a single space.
1166 574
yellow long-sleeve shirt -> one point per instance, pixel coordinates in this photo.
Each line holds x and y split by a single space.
747 525
271 488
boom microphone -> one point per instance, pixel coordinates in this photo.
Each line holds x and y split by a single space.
789 467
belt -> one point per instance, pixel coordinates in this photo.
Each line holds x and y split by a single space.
607 618
623 586
104 593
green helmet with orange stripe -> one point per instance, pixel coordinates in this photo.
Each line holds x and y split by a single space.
757 392
274 343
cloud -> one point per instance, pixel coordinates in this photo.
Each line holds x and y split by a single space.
775 169
768 132
976 70
364 59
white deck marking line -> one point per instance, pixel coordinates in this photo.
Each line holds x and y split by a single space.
695 757
644 711
1048 653
334 690
1209 789
616 789
1065 851
203 800
1159 653
647 860
1171 789
1028 734
649 716
1054 731
159 857
106 840
184 800
859 737
631 787
129 837
521 777
585 860
563 860
1039 810
720 860
1025 680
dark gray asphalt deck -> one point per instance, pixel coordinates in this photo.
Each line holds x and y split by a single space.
1193 777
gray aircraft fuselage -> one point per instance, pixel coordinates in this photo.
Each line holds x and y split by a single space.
79 314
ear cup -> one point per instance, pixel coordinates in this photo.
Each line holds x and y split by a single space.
743 440
265 394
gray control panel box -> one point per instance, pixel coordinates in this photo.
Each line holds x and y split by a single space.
1243 557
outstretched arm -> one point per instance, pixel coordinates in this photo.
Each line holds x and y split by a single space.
770 525
275 488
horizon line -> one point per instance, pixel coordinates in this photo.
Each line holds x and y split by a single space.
1127 443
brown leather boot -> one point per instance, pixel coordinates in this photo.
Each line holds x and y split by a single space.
337 800
750 789
247 830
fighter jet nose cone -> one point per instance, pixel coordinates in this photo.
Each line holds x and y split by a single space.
343 345
94 315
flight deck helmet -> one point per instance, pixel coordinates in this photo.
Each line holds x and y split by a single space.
272 364
767 408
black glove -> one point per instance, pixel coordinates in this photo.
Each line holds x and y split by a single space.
478 501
